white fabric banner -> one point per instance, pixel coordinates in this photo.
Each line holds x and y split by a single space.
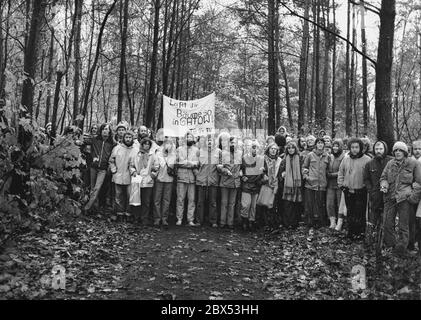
196 116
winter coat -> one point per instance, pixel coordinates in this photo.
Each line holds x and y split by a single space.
372 173
333 170
163 160
252 168
230 163
185 171
351 172
403 180
102 150
207 174
317 167
120 162
143 164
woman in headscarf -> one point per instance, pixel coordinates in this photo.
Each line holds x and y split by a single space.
272 165
292 185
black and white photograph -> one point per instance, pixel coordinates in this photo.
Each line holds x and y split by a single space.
210 157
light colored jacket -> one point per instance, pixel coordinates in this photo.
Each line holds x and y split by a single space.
351 172
403 180
143 164
120 162
317 166
187 161
163 161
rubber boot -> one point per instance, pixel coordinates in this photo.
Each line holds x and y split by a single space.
332 222
339 224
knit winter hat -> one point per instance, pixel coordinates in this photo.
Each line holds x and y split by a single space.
123 124
310 137
400 145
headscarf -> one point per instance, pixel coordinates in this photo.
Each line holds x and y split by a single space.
292 170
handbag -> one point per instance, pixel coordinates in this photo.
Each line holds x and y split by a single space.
266 197
172 172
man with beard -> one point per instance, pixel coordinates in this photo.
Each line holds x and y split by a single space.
333 194
207 180
372 172
187 161
351 181
119 165
401 184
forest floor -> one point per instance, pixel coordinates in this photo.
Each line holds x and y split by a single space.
115 260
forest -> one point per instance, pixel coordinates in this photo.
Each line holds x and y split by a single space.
350 67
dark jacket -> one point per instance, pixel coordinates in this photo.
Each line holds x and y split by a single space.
372 173
252 168
102 150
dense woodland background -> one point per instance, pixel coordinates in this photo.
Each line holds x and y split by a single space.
270 62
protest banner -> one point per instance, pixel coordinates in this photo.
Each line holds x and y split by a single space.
196 116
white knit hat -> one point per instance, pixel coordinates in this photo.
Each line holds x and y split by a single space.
400 145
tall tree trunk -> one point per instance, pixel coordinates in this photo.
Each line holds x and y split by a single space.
325 77
384 73
150 107
31 55
124 12
352 80
348 108
302 87
49 78
271 67
364 70
94 65
317 107
287 93
334 76
276 57
77 64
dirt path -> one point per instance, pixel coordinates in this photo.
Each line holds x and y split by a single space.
109 260
191 263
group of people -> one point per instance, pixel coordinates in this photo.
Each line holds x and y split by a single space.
226 179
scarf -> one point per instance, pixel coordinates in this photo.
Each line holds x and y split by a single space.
293 172
271 164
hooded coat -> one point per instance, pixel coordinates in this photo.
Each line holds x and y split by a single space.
351 170
119 163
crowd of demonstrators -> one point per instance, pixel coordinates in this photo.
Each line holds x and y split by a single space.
231 180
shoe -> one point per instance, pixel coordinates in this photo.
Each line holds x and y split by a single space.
192 224
332 223
178 223
214 225
339 224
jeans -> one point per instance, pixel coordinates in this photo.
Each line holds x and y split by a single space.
356 204
162 198
404 210
315 208
228 197
97 179
146 204
333 199
206 196
184 189
248 206
121 200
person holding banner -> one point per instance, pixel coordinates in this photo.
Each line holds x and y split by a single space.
187 161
